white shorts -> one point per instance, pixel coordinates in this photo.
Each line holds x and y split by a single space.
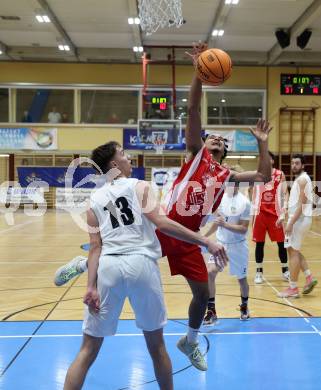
136 277
300 229
238 256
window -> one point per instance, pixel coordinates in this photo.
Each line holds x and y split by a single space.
4 105
181 106
45 106
109 106
234 108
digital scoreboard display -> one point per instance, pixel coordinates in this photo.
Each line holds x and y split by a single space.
300 84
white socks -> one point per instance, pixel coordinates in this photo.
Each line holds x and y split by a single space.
192 335
307 273
293 284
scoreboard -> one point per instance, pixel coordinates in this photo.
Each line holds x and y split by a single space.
300 84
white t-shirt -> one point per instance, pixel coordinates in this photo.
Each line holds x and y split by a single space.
123 227
295 194
233 209
54 117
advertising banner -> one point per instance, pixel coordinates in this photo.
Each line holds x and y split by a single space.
21 138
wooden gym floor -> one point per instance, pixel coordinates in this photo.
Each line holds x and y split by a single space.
34 247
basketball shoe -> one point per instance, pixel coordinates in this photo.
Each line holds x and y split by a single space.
193 352
210 317
289 293
310 284
245 313
69 270
258 278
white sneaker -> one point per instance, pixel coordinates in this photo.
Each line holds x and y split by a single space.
69 271
286 276
258 278
193 352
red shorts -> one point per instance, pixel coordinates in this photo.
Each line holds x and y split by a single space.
266 222
183 258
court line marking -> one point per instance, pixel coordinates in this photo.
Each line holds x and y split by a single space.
292 306
166 334
16 227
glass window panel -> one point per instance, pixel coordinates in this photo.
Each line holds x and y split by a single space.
234 108
4 105
109 106
157 105
181 106
45 106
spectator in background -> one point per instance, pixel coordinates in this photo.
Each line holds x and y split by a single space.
54 116
26 117
64 118
113 118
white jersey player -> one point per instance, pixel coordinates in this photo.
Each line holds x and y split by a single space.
299 223
122 262
231 225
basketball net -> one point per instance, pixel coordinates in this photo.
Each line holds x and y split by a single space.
159 139
154 14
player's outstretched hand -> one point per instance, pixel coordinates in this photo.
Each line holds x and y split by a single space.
262 130
92 300
198 48
219 255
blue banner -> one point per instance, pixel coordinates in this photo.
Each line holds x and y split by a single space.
55 176
245 142
132 142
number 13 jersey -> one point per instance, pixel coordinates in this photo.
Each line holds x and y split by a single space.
123 227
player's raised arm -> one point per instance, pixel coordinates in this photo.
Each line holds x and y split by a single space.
193 130
263 173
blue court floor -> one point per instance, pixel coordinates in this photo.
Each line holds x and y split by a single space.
263 353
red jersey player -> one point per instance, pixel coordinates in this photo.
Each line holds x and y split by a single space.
196 192
269 202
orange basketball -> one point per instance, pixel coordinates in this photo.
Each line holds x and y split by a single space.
214 66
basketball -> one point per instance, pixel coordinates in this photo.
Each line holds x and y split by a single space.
214 66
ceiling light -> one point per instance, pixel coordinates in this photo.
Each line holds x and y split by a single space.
4 155
223 101
217 33
214 109
39 18
259 109
46 19
180 108
234 2
138 49
135 48
184 100
1 52
130 20
66 47
61 47
137 21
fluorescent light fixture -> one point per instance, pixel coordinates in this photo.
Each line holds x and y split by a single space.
217 33
61 47
135 48
1 52
130 20
66 47
184 100
4 155
39 18
240 157
234 2
223 101
46 19
138 49
136 20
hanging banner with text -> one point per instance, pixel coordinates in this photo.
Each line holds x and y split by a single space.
21 138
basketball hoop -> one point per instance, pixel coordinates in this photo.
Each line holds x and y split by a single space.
159 139
154 14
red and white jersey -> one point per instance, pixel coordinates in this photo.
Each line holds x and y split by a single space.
267 197
197 191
